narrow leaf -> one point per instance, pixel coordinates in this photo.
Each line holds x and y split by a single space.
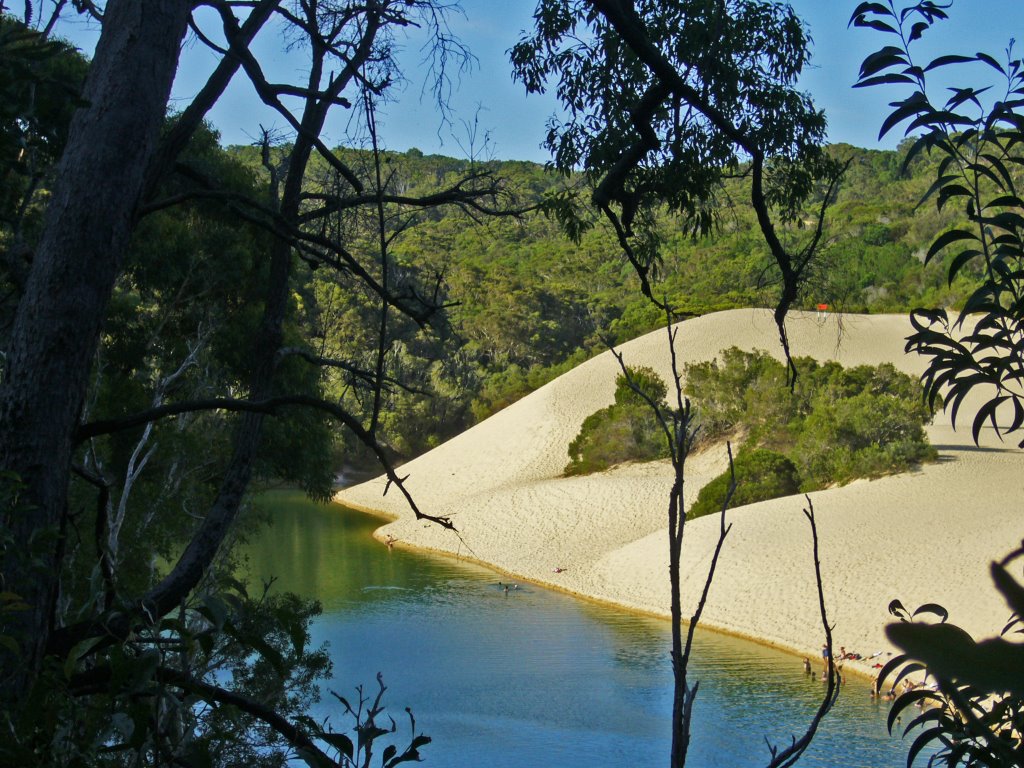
953 236
945 61
934 609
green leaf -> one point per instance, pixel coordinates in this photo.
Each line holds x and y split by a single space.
143 670
881 26
922 741
991 666
984 57
914 105
867 7
215 610
314 759
883 59
891 78
917 30
958 262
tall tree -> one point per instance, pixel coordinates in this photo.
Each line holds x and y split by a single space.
664 101
123 161
100 180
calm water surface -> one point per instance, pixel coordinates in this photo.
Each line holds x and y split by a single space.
537 678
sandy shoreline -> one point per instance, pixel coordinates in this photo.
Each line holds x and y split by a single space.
926 536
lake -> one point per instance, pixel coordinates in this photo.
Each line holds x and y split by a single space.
535 677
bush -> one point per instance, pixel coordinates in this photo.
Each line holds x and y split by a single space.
866 421
625 431
745 389
838 424
760 475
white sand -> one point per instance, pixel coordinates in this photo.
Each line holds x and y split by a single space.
926 536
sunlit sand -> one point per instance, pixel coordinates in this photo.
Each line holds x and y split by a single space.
924 536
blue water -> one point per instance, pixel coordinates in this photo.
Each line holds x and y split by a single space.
537 678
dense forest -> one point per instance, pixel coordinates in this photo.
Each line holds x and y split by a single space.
521 302
525 303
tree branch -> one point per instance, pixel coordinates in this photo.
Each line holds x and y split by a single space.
100 531
369 377
186 123
792 753
98 680
457 196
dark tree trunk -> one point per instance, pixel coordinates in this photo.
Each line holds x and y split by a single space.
89 220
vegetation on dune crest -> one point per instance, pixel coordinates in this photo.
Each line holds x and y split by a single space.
624 431
527 304
836 425
759 474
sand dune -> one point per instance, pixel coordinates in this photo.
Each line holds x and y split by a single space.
926 536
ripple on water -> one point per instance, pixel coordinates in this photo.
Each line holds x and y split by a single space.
537 678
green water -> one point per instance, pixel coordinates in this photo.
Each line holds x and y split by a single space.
536 678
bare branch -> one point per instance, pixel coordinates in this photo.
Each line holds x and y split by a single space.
466 199
365 376
788 756
187 122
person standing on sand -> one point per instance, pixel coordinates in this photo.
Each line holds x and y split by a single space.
825 660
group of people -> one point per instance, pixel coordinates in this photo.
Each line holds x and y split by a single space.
835 664
904 686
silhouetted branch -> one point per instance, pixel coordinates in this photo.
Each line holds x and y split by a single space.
467 199
99 679
367 377
185 124
792 753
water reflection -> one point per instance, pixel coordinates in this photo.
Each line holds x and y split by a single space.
536 678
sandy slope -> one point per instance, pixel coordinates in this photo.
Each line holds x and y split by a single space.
921 537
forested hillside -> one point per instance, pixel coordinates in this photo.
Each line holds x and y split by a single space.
525 303
522 301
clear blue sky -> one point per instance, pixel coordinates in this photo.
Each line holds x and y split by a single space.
516 123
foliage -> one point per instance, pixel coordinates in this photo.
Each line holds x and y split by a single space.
727 53
126 640
974 712
367 715
977 138
39 83
836 425
39 89
111 704
624 431
527 305
759 473
962 697
664 101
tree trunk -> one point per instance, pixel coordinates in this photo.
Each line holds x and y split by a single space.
88 223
